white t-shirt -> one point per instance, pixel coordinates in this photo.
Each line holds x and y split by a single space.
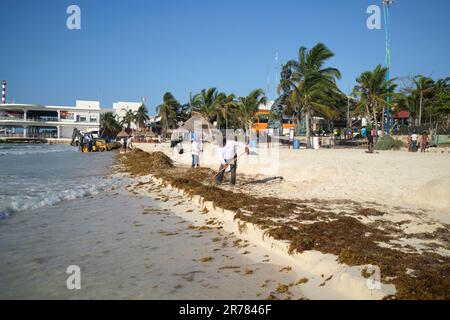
414 137
196 147
227 152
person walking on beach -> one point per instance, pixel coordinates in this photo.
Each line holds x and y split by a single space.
369 143
414 141
197 148
424 142
228 157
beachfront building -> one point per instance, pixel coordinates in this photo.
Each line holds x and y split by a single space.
120 108
42 121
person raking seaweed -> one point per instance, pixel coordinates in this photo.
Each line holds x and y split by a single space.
228 158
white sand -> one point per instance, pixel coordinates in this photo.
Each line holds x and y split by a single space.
411 188
392 178
327 279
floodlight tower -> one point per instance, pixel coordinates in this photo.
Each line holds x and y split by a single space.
386 5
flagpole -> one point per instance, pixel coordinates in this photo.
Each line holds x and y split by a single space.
386 4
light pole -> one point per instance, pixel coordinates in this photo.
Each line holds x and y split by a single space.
386 5
349 121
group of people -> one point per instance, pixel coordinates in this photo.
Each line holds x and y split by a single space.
227 153
413 142
127 144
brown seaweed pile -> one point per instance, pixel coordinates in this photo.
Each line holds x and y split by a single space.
416 275
138 162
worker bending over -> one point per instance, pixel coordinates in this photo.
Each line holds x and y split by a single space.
228 157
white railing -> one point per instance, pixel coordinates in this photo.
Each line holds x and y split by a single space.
15 119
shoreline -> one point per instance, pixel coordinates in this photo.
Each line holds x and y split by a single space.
132 246
415 283
320 275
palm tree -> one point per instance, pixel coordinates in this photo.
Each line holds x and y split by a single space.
222 105
248 106
167 111
141 116
423 86
127 119
109 125
205 101
372 89
310 85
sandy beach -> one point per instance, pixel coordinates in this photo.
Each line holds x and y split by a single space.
168 233
391 178
413 220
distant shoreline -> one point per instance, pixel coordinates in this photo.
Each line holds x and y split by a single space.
12 140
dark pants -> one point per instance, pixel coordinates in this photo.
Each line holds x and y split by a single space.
233 166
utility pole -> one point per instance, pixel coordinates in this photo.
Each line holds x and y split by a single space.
386 5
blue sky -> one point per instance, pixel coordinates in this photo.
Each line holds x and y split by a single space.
126 50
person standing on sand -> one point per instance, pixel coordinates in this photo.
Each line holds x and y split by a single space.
124 145
269 137
369 143
129 144
175 142
363 132
197 148
228 157
414 141
424 142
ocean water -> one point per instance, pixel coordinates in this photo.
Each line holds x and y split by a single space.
62 208
33 176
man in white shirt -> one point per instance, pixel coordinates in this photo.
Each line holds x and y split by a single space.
228 157
414 141
196 147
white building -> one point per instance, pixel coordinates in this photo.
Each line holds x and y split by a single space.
120 108
40 121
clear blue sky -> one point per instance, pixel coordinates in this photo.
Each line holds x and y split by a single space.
129 49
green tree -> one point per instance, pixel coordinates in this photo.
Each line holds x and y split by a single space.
205 101
248 106
423 85
167 111
224 106
109 125
128 119
372 90
141 116
311 85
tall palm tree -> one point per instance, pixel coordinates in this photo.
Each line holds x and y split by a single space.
310 84
141 116
423 85
372 90
223 105
167 111
109 125
127 119
205 101
248 106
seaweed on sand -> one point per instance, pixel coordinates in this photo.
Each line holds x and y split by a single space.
354 242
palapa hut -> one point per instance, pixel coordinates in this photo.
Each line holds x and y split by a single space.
122 134
200 125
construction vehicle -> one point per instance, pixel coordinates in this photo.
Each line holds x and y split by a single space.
88 142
